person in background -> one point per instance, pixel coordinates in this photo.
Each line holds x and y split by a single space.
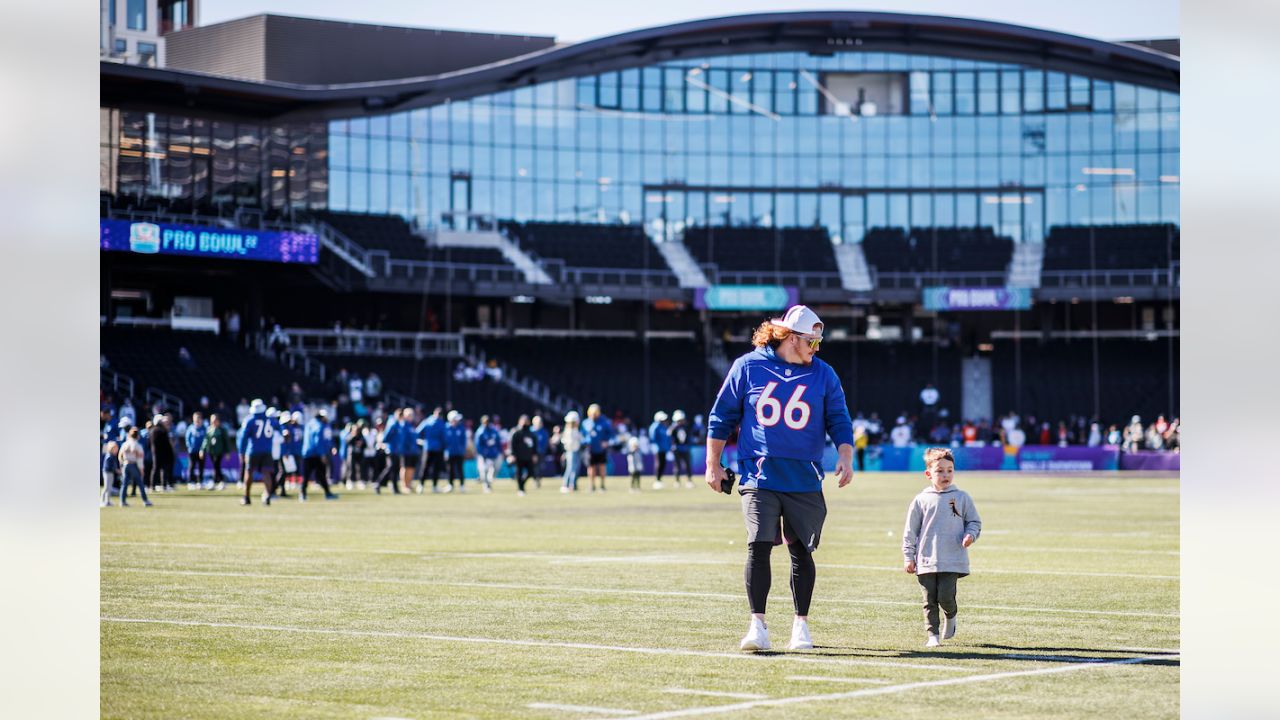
111 473
682 449
1064 435
391 439
373 387
1095 434
216 445
353 462
860 446
488 444
544 447
523 453
900 435
132 458
195 435
660 439
597 433
455 450
430 433
1133 435
317 446
571 439
256 439
410 450
635 462
162 457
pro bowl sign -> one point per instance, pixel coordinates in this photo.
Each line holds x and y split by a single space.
744 297
149 238
941 299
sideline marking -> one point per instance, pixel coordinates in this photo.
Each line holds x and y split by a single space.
819 678
715 693
608 591
534 643
889 689
581 709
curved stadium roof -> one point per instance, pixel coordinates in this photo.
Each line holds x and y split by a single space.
819 33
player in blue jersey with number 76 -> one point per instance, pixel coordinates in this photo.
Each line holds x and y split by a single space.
786 402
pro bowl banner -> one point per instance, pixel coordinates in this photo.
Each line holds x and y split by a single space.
745 297
148 238
941 299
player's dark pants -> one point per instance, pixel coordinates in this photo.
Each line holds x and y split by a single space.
261 467
195 474
684 464
162 471
390 472
861 454
524 471
455 470
432 466
772 517
318 467
538 461
661 462
216 461
939 591
277 478
133 477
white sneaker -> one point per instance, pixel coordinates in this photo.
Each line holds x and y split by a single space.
487 489
932 641
422 489
350 485
447 488
948 628
657 484
757 636
688 485
800 639
219 486
564 489
520 493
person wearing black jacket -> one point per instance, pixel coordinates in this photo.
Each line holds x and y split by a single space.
524 452
161 454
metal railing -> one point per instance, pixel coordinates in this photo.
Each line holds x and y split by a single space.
918 281
117 383
811 280
423 271
1113 279
526 385
292 358
385 343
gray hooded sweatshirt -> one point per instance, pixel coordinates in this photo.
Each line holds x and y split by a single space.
936 525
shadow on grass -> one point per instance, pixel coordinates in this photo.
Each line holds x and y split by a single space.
1162 658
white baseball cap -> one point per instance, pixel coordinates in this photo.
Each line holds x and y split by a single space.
454 415
272 412
297 416
800 319
677 416
660 416
573 416
257 406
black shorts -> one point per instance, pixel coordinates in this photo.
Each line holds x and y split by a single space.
599 458
411 461
262 462
772 516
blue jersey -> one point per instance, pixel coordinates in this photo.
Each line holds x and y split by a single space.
292 444
455 440
597 433
544 439
659 436
786 412
256 435
317 441
391 437
488 442
195 437
431 431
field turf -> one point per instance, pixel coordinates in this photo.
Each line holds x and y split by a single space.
632 605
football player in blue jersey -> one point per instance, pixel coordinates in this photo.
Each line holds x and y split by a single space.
785 402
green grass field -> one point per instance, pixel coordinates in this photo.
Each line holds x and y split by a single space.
625 605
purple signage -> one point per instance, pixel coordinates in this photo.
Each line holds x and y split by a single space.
941 299
148 238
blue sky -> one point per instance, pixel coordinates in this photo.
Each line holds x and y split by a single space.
574 20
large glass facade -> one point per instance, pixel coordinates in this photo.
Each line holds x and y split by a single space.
769 140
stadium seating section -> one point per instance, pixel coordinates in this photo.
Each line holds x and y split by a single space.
1057 378
887 378
735 249
611 372
223 371
393 234
1117 247
937 250
587 246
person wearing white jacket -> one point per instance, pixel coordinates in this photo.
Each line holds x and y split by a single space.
942 522
571 438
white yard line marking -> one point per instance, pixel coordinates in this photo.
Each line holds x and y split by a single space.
625 559
536 643
889 689
608 591
581 709
819 678
715 693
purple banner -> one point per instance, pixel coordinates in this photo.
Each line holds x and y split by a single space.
745 297
1151 461
149 238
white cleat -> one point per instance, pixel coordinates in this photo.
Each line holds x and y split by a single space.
800 639
948 628
564 489
688 485
932 641
657 484
757 636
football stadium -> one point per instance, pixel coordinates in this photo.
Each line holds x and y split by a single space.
518 283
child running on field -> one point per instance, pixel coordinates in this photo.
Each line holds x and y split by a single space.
942 522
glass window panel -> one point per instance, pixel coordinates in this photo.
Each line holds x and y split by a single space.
608 90
136 14
1102 95
806 100
966 170
899 210
921 171
944 171
359 152
966 97
1010 92
1079 92
877 210
921 210
944 210
399 125
806 210
785 86
1126 97
719 80
966 135
1148 170
1033 170
1056 95
988 135
1148 98
338 156
920 93
1170 206
1033 91
988 170
966 210
359 191
1102 128
586 91
897 129
988 93
897 172
338 190
943 98
877 171
379 126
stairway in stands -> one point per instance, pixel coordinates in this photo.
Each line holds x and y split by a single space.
533 272
682 264
855 276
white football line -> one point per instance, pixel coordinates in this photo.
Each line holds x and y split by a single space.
715 693
819 678
606 591
536 643
626 559
889 689
581 709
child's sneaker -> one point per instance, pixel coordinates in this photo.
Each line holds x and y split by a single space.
757 636
932 641
948 628
800 639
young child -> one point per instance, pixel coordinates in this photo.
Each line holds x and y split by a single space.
942 522
110 472
635 462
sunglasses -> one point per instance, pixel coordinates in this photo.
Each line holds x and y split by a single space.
813 341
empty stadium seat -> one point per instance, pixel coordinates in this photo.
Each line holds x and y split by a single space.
740 249
1116 247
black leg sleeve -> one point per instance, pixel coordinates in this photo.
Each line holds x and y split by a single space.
803 575
759 576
